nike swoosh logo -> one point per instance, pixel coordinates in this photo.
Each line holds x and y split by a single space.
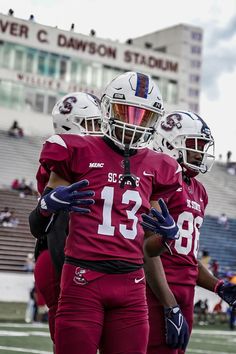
179 189
52 196
147 174
138 280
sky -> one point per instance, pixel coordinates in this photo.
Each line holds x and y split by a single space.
123 19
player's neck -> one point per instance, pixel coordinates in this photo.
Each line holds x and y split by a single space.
186 179
114 147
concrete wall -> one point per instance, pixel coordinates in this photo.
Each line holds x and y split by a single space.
15 287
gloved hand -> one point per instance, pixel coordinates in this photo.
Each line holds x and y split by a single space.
227 292
161 223
68 198
177 331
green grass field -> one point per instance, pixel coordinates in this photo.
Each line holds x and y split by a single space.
17 337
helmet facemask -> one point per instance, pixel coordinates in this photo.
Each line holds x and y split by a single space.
88 125
201 146
129 125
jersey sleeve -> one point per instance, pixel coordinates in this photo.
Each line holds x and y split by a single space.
55 156
168 179
42 177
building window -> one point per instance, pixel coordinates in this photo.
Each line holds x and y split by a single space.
172 93
18 61
193 92
195 64
39 103
6 56
63 69
42 64
196 36
51 103
196 49
194 107
52 66
29 63
73 71
194 78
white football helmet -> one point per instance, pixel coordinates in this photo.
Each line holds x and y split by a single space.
180 132
77 113
131 106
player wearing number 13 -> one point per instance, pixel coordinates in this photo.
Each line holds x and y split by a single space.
102 301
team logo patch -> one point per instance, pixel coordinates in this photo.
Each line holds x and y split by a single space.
96 164
79 276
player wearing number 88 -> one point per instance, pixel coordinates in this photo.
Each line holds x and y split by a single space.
186 137
102 301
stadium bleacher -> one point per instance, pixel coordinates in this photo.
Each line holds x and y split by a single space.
16 242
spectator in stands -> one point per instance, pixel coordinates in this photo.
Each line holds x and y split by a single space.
29 263
231 169
5 216
203 314
11 221
215 268
31 308
223 220
232 317
218 313
228 157
15 184
15 130
205 259
25 188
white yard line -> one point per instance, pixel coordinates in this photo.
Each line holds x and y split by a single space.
214 332
204 351
24 325
23 350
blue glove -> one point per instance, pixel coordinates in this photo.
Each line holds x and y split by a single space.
68 198
177 331
227 292
161 223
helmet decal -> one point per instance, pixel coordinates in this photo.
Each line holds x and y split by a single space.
142 85
67 105
172 120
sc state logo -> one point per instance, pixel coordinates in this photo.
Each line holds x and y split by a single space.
67 105
171 121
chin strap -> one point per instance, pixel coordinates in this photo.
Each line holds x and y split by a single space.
127 176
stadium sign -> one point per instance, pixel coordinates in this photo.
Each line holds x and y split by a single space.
50 39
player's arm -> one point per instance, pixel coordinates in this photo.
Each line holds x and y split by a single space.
176 327
226 290
156 279
205 279
40 220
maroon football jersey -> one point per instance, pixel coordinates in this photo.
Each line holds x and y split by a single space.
187 206
112 229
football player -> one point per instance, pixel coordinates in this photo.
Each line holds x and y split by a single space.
102 299
76 113
187 138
